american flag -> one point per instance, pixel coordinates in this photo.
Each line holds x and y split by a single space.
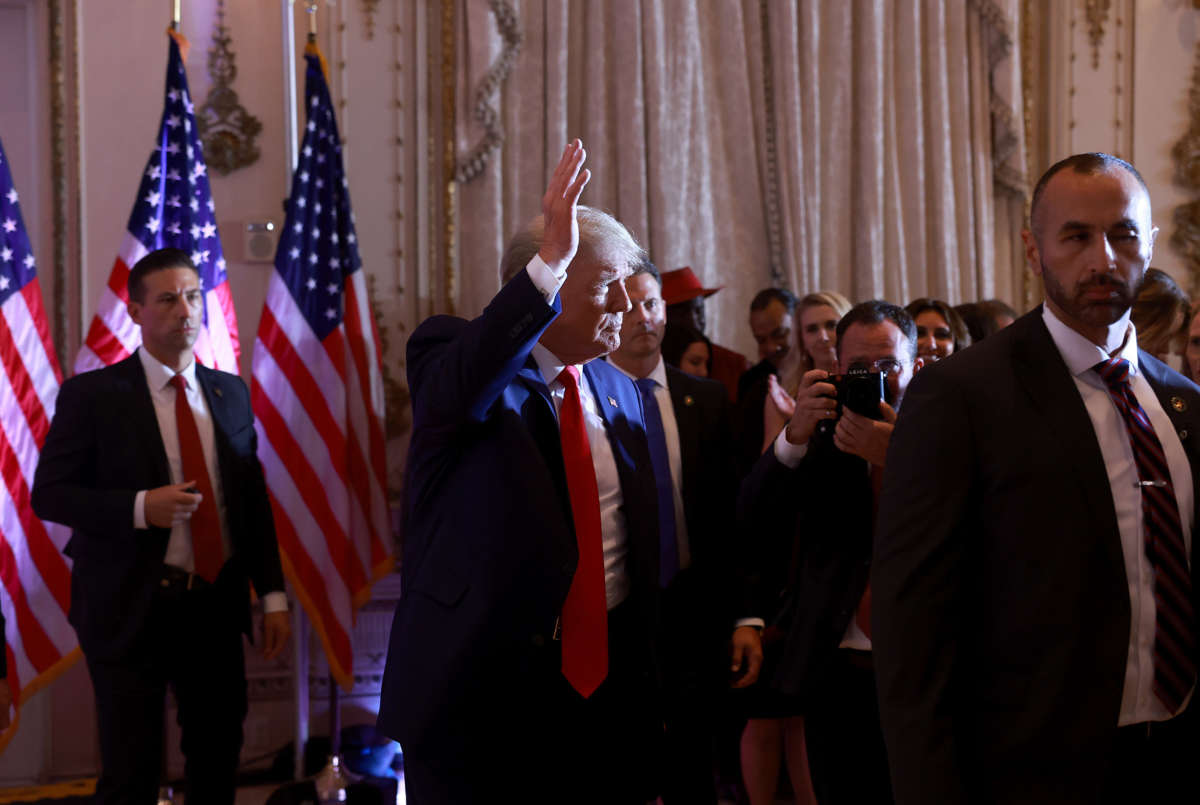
174 208
317 393
35 577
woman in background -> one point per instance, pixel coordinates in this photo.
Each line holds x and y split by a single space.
940 330
1160 314
687 349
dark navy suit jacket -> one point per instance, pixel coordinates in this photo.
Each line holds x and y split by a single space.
489 545
103 447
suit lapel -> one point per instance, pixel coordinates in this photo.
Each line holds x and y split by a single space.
1056 400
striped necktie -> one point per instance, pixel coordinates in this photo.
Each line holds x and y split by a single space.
1174 634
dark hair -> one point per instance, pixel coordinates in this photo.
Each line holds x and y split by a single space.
647 267
876 311
958 329
1157 304
980 317
768 295
1089 164
157 260
677 338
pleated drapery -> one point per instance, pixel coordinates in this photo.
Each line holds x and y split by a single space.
873 147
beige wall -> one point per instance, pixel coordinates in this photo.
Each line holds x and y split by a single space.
1145 90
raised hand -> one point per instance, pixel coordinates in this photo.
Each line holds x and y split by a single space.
561 237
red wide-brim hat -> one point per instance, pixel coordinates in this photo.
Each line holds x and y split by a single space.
680 285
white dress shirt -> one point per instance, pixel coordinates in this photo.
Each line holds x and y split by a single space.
666 409
1138 702
162 394
613 531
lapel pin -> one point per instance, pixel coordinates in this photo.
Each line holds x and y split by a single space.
613 402
217 391
689 399
1178 404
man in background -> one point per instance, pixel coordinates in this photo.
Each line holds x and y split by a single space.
687 420
819 484
771 321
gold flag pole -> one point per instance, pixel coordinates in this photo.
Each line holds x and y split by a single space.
176 14
312 22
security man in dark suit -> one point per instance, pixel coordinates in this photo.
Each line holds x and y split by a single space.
688 424
152 462
809 505
1035 584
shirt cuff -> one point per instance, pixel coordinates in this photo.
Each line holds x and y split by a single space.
544 279
139 509
757 623
275 602
789 455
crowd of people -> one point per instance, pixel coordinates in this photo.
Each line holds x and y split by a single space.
920 553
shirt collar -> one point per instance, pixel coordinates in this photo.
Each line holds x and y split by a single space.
658 374
550 365
1080 354
158 374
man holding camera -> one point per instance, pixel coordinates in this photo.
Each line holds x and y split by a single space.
817 488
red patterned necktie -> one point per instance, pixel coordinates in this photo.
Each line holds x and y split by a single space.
1174 632
207 553
585 612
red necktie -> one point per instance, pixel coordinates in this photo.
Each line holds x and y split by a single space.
207 553
1174 631
585 612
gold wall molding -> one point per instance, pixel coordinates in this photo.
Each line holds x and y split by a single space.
472 164
227 131
1186 153
370 8
1096 14
449 32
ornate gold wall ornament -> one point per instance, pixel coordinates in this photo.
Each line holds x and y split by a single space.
1186 238
484 113
1096 12
227 130
774 225
370 8
450 187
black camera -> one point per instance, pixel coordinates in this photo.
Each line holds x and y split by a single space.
858 390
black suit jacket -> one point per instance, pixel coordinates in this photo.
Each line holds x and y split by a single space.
1000 604
808 531
489 541
103 447
698 603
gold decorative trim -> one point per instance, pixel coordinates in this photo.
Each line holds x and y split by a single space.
449 166
1096 13
227 131
1028 107
1186 153
370 9
774 225
472 165
58 173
